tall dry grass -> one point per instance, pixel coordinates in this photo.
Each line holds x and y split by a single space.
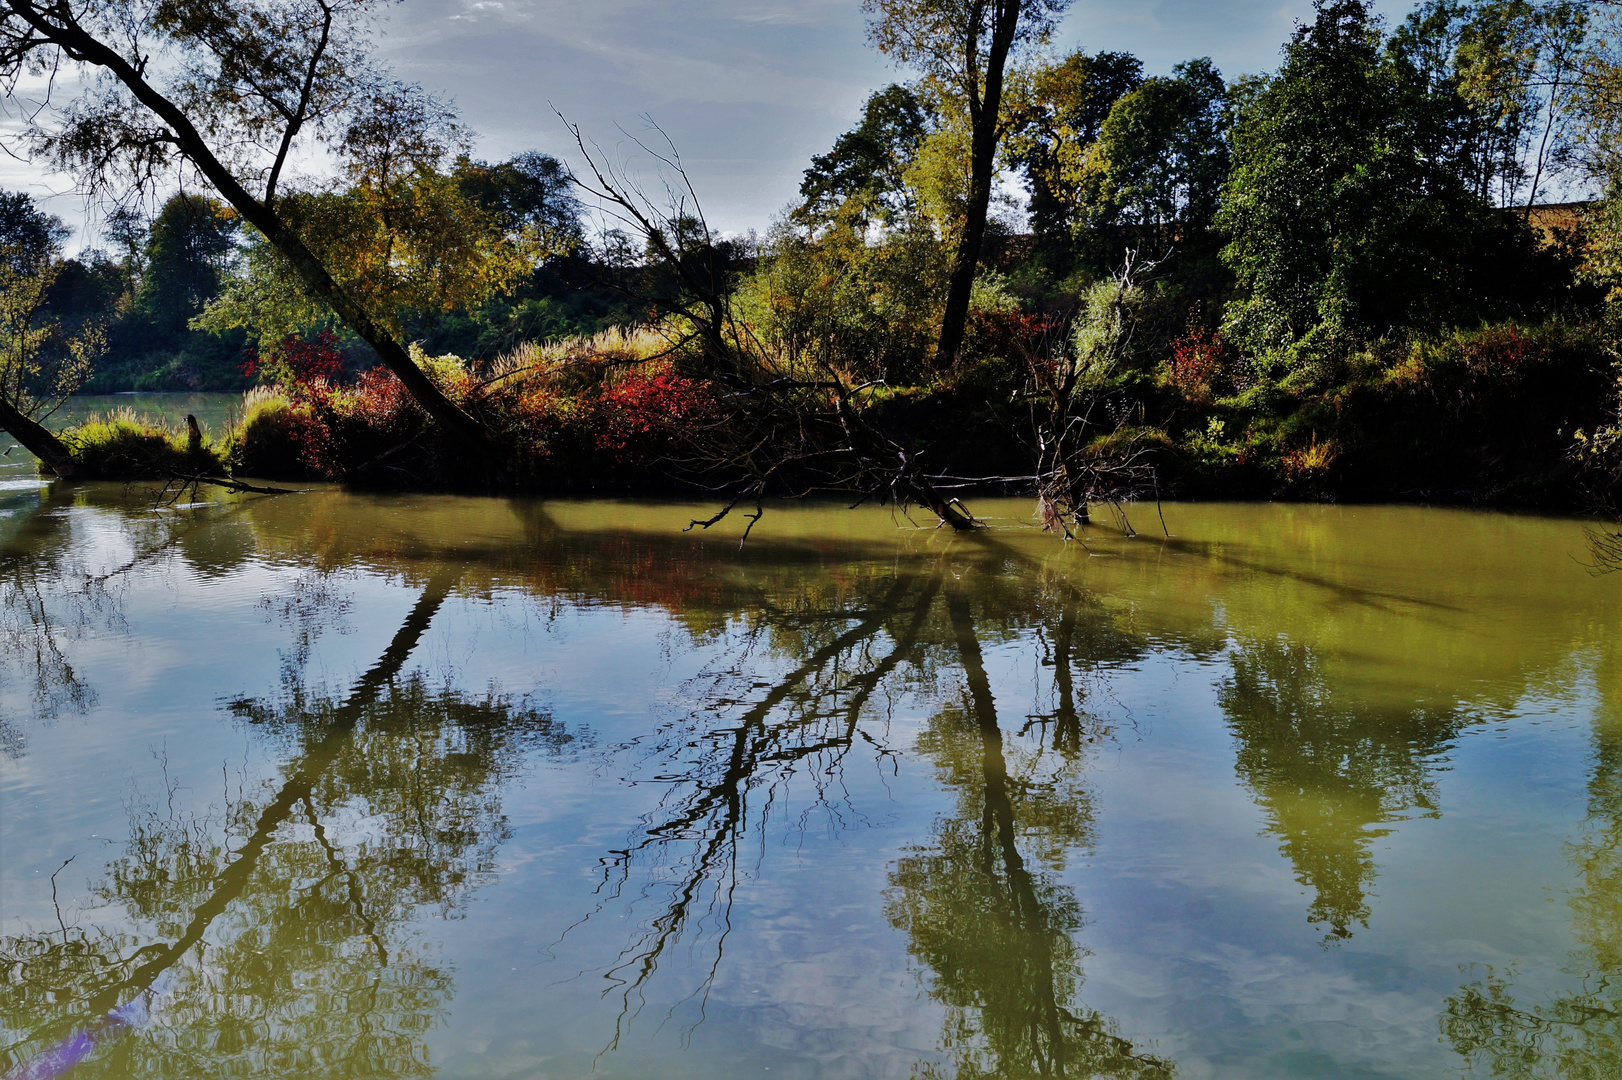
599 358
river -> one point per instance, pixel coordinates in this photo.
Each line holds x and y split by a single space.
340 785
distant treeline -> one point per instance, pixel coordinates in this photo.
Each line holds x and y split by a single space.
157 275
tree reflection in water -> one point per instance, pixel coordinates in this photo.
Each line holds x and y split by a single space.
1575 1035
51 595
1328 776
283 921
47 598
281 924
998 937
722 780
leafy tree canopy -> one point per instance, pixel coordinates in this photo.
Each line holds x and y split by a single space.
1339 222
1056 114
189 247
863 176
1161 154
28 235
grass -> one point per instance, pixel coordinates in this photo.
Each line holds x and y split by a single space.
121 445
265 440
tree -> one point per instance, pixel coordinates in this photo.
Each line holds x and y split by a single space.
1340 219
1161 155
530 196
1466 63
28 235
964 47
188 248
400 235
862 178
41 363
243 83
1058 111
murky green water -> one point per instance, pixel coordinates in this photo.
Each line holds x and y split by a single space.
342 786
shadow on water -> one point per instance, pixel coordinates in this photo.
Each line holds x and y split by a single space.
1382 600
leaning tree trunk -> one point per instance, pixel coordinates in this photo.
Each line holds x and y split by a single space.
317 282
52 452
983 116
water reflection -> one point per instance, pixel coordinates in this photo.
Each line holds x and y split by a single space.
279 926
997 936
36 567
1574 1034
722 779
52 594
1330 776
283 931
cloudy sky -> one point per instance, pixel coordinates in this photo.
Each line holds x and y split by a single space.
748 89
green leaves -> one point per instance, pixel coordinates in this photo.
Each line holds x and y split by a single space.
1346 210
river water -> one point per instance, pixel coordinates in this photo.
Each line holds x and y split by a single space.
337 785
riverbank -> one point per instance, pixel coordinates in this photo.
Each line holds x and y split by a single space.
1499 416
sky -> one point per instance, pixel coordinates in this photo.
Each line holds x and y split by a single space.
748 90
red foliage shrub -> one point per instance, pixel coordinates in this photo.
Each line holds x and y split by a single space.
378 398
313 361
347 426
641 414
301 362
1013 335
1501 352
1198 360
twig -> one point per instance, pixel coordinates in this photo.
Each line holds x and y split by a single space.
231 484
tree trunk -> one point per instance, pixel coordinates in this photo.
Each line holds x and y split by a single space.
984 117
79 43
319 283
51 451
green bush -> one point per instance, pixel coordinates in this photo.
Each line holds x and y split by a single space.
266 441
120 445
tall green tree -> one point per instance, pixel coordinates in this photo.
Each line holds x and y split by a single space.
1161 155
862 179
1340 223
28 235
530 195
964 46
189 249
1059 109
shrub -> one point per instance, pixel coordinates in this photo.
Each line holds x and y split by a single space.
122 445
1308 467
1199 360
642 416
268 440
